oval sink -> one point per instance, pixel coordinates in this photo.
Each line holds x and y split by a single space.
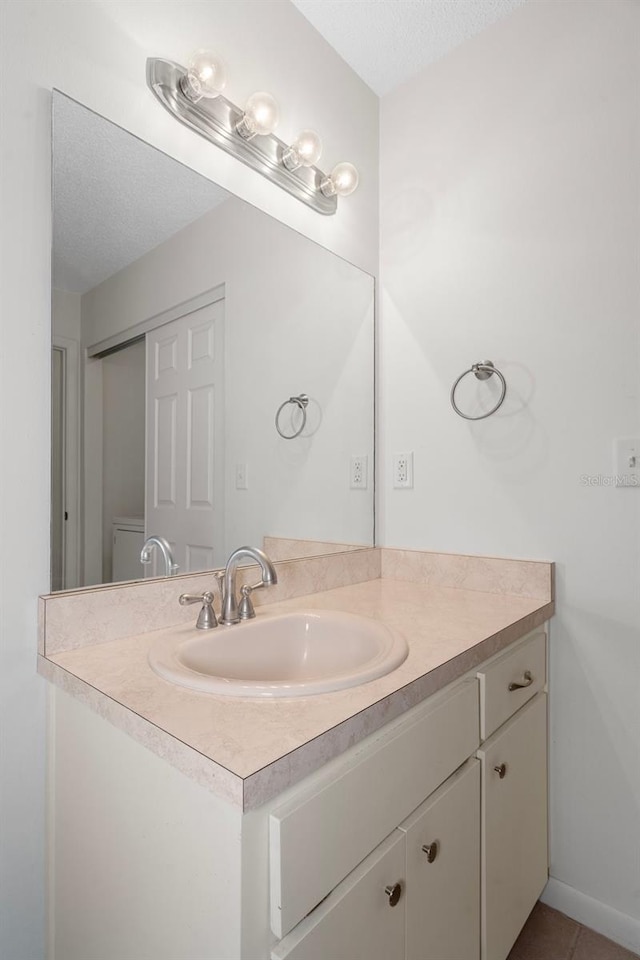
280 655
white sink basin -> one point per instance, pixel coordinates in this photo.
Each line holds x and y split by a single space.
285 655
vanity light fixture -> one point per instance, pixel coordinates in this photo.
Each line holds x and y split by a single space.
205 77
342 180
193 96
261 115
304 151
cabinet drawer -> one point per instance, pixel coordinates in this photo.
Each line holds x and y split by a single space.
320 835
510 681
356 921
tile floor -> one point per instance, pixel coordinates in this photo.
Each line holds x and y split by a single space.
549 935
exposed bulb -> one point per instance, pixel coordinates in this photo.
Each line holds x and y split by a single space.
260 117
206 76
342 180
304 151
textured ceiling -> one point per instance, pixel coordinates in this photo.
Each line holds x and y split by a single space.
115 197
388 41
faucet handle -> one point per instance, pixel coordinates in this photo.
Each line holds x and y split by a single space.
245 607
207 617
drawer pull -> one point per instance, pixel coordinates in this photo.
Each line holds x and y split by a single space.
431 850
528 680
394 892
501 770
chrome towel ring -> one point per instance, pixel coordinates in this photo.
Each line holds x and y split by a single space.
482 371
302 402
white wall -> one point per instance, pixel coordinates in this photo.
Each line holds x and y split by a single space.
113 417
96 52
297 319
123 442
65 551
509 226
66 314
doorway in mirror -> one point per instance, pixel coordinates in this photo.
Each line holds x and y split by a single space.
185 438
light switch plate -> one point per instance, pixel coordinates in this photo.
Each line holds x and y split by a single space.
242 476
626 461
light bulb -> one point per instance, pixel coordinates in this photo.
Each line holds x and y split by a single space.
304 151
342 180
206 76
260 117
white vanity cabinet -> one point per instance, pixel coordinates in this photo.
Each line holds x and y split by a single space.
443 871
484 830
329 826
514 793
361 919
416 896
408 846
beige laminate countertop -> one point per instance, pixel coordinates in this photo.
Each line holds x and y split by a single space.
249 750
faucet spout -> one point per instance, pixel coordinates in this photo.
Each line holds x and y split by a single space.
230 612
170 568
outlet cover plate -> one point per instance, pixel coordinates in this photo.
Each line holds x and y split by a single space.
359 473
403 471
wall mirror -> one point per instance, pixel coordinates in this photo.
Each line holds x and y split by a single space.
182 319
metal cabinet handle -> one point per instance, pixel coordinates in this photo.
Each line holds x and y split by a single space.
431 850
394 892
501 770
528 680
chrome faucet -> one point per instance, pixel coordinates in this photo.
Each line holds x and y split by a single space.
231 612
170 568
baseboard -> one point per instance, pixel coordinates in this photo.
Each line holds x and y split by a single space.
592 913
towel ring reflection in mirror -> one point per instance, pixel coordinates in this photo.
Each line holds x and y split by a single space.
301 402
483 371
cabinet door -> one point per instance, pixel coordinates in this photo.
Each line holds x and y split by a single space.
356 921
443 880
514 826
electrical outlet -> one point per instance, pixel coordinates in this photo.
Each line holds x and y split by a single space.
403 471
359 473
242 476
